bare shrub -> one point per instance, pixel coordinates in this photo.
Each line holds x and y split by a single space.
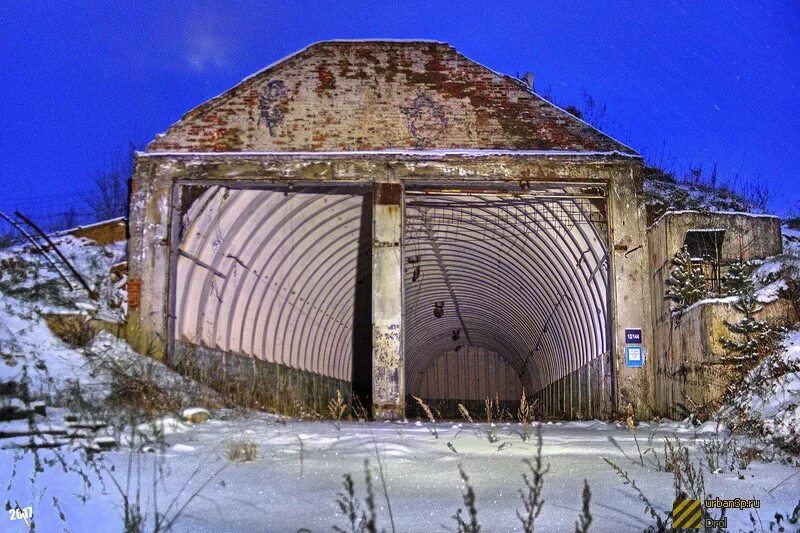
108 197
534 482
7 238
756 192
337 407
688 482
242 449
75 330
360 519
721 452
142 393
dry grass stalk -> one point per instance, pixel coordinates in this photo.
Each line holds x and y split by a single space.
267 389
585 518
360 519
429 414
525 415
662 522
532 499
630 419
489 406
361 413
241 450
337 406
468 495
465 413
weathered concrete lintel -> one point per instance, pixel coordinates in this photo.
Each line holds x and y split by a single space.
357 168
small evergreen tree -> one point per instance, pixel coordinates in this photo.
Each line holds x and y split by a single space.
754 334
686 284
736 280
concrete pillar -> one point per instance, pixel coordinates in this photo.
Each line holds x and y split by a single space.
388 368
148 257
631 294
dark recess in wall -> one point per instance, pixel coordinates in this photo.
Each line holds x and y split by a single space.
362 312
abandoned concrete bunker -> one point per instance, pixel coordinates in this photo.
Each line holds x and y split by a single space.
388 219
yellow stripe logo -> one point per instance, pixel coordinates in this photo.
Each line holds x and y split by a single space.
687 514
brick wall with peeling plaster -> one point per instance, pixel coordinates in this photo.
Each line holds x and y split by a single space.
379 95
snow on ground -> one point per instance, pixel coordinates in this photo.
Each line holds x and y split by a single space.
25 275
292 485
769 400
772 275
27 343
294 480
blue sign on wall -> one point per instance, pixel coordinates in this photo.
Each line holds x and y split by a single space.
634 356
633 336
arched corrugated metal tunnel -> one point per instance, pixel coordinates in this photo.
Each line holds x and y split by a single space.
274 274
522 276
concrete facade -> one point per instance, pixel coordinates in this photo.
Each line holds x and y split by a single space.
386 116
687 347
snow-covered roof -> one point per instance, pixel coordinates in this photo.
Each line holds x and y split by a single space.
408 153
89 226
710 213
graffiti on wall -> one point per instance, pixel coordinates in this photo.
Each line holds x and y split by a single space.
273 94
426 119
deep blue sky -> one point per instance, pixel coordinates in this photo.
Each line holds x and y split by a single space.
714 82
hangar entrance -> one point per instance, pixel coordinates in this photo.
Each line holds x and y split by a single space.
502 290
505 291
272 288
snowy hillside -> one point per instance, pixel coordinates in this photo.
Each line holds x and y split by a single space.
766 403
769 403
25 275
663 192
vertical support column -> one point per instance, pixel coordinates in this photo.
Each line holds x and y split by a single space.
388 368
631 295
149 257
